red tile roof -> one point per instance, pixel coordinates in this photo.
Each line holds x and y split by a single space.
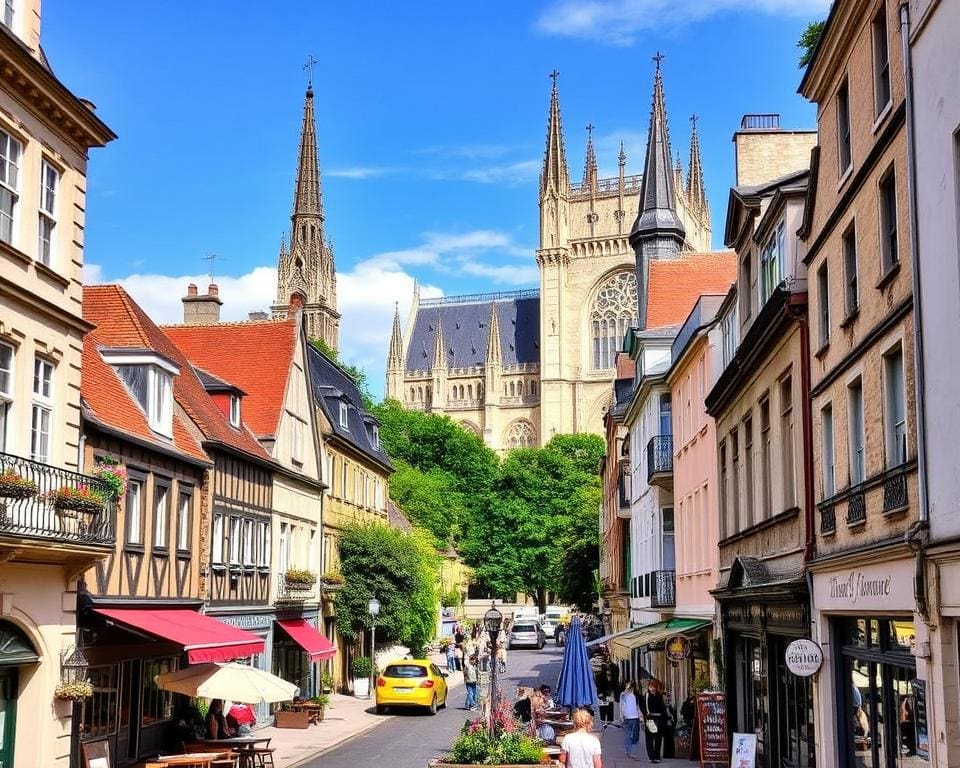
122 323
674 285
255 356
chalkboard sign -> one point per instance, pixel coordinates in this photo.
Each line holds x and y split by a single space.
712 720
96 754
920 718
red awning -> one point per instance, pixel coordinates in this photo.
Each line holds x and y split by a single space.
304 634
202 637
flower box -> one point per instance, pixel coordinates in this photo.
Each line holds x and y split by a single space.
73 691
80 499
287 719
14 486
296 577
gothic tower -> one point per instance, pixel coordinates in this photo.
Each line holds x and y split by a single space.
395 364
306 268
658 232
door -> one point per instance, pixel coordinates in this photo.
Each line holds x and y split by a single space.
8 714
129 715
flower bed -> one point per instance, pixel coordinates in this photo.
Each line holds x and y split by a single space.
511 743
14 486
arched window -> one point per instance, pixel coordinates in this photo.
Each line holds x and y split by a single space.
614 311
419 393
520 434
533 387
453 393
470 391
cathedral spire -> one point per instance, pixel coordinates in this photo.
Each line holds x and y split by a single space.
695 189
307 198
590 162
658 206
439 353
395 356
554 179
494 351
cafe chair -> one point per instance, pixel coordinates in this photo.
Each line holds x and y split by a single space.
263 756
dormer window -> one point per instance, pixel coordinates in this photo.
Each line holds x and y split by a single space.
149 377
376 436
344 416
235 411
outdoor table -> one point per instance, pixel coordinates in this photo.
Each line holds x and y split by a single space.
243 744
191 760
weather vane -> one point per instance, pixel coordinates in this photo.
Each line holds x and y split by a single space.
309 69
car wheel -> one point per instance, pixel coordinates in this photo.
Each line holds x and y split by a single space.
433 706
381 709
444 704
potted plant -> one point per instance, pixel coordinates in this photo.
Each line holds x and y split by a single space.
300 577
327 682
14 486
69 500
511 745
289 716
113 474
331 580
362 668
322 701
73 691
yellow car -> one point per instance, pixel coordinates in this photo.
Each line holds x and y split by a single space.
411 683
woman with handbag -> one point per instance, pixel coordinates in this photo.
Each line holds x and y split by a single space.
654 710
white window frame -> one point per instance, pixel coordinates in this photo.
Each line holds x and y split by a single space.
185 501
283 553
158 406
881 60
216 547
11 153
41 419
772 266
248 534
8 372
828 451
9 14
133 511
376 436
856 435
161 514
263 555
889 255
47 214
844 131
851 269
235 411
344 415
894 400
823 299
236 534
297 437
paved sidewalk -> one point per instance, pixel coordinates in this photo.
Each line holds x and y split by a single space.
345 718
613 754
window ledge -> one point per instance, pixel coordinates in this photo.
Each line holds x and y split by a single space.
882 116
853 315
845 176
51 275
219 567
161 551
856 524
824 348
890 514
16 253
137 549
888 276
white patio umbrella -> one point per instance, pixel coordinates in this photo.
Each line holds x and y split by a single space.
236 682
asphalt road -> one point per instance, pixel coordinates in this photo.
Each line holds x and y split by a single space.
410 740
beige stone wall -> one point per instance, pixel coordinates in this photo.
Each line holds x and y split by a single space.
761 156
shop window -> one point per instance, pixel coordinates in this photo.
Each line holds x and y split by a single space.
100 710
157 705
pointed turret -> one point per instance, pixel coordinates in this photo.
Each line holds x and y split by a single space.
494 351
554 179
307 198
590 163
438 369
678 174
696 192
395 359
439 355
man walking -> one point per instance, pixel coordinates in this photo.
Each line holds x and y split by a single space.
470 680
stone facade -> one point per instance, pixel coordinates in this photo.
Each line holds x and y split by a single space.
585 303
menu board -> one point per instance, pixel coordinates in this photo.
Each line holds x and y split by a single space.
712 720
920 718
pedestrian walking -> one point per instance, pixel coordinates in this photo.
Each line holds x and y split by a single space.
502 652
608 690
451 656
630 715
654 710
470 680
581 749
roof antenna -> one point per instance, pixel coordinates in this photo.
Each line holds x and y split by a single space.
212 257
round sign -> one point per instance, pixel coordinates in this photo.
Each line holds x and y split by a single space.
677 648
804 657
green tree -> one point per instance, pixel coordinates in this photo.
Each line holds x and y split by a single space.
401 570
358 375
809 39
429 499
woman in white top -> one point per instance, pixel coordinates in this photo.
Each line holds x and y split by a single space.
630 714
581 749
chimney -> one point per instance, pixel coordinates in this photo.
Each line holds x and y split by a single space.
258 315
201 310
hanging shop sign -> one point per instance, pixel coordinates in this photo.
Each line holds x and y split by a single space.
804 657
677 648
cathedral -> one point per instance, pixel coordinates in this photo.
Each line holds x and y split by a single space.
520 367
305 271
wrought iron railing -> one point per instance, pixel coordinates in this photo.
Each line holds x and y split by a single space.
44 510
895 491
659 455
828 519
289 591
857 507
663 590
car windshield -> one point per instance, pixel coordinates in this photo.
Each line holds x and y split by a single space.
524 628
404 670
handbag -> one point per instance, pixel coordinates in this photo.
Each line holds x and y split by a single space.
650 723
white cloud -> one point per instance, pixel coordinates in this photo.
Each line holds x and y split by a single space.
467 151
617 22
359 173
509 274
510 174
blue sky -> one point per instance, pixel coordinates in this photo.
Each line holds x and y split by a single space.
430 121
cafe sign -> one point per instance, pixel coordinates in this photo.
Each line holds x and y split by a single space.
804 657
677 648
884 586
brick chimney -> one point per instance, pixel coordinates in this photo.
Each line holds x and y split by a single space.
202 310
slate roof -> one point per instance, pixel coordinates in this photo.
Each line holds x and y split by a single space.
331 386
674 285
464 322
396 518
255 357
122 323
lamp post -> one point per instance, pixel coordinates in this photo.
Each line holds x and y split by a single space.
373 608
492 621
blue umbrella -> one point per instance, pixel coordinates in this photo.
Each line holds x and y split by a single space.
576 687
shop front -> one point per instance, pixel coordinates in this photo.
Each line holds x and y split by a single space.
871 701
298 648
761 615
257 620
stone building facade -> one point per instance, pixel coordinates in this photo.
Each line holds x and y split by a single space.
549 368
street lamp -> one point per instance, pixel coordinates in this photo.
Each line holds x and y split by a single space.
492 621
373 608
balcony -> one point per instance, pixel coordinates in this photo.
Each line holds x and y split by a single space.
296 587
48 514
660 461
623 493
663 589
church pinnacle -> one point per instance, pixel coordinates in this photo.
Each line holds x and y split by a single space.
395 356
696 193
307 268
590 162
554 179
494 350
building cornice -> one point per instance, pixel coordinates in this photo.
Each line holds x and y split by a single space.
48 308
836 41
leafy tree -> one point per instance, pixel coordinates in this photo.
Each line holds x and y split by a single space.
402 570
809 39
429 499
358 375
